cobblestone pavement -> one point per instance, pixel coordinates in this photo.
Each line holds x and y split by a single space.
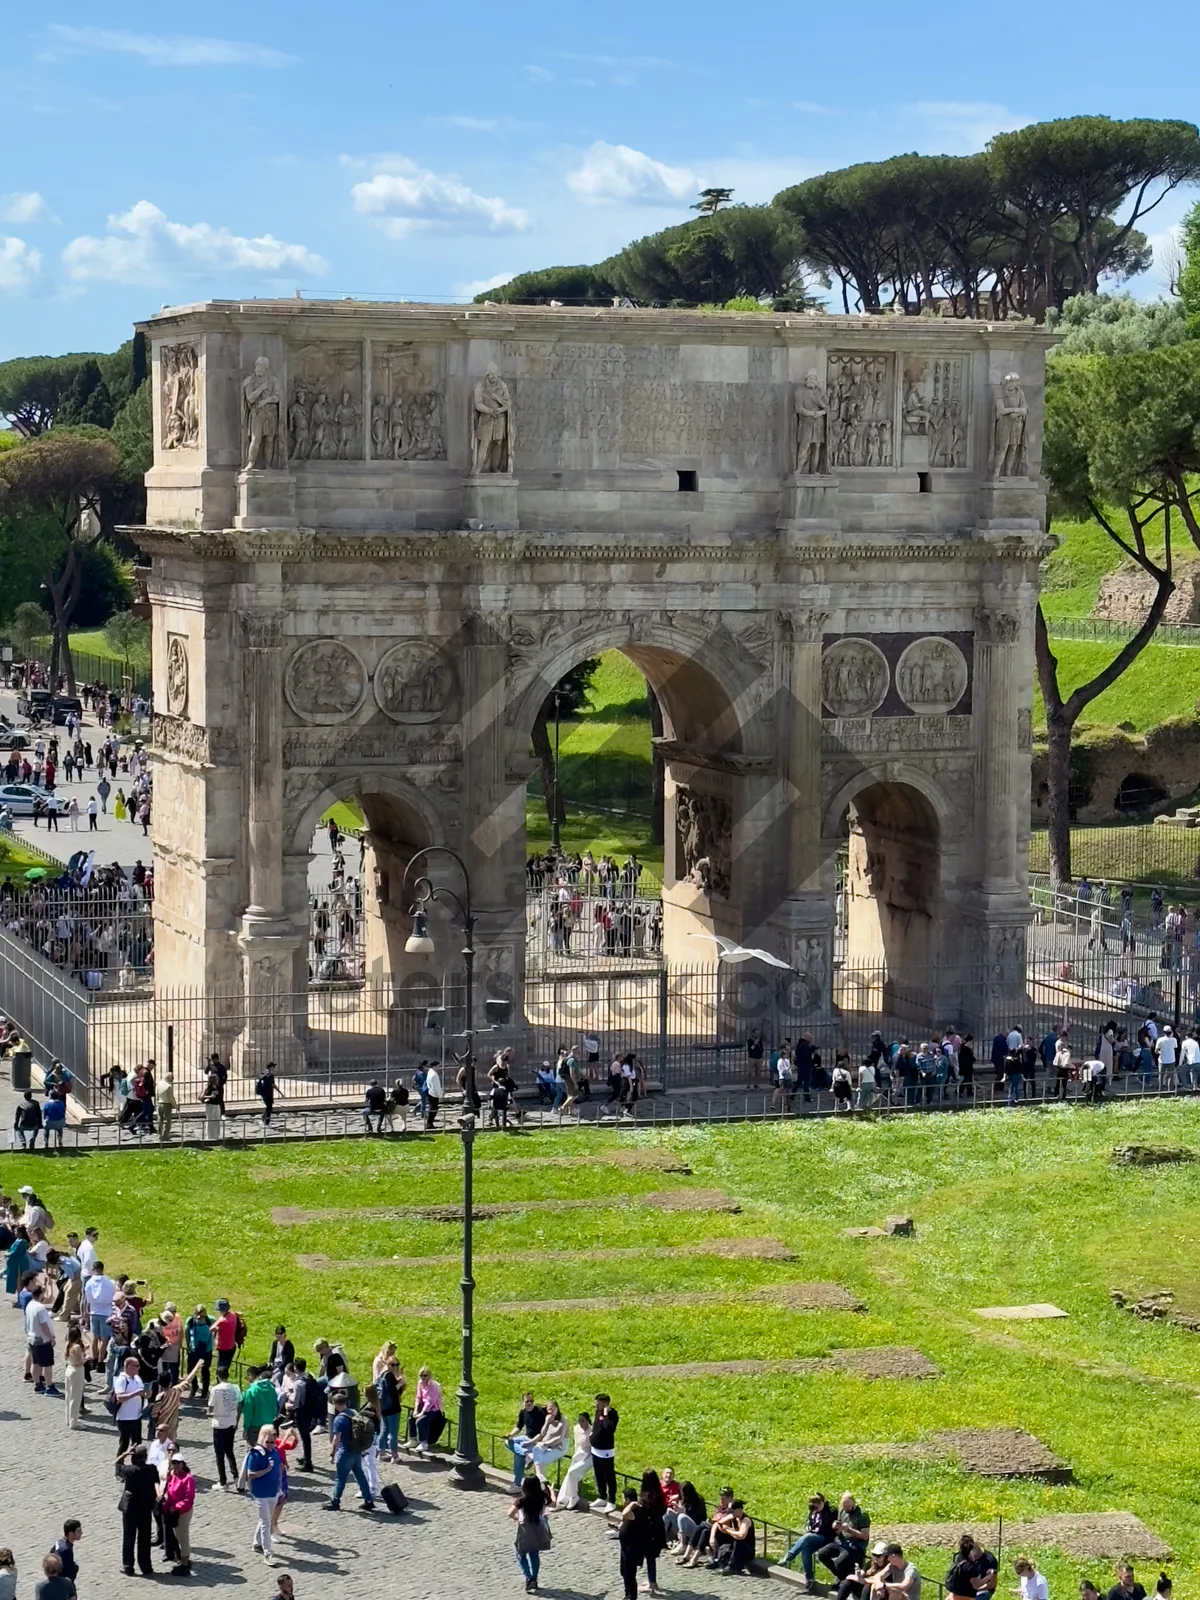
449 1545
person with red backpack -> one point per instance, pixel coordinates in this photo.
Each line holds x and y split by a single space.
229 1334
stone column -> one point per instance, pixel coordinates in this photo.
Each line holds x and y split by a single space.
995 970
803 921
994 702
268 942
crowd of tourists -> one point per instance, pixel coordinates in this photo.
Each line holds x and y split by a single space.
945 1068
119 1354
122 776
594 874
85 919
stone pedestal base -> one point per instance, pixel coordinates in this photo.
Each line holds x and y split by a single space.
490 499
275 1018
808 507
800 932
265 499
1010 505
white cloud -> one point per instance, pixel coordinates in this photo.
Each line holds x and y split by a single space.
20 266
612 173
539 75
24 208
405 198
969 124
468 291
170 50
488 124
813 108
143 245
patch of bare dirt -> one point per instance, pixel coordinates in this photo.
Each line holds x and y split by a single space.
762 1249
858 1363
1088 1536
1150 1155
667 1200
812 1297
797 1296
885 1361
629 1160
1003 1453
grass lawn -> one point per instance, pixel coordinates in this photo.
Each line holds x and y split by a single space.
1008 1210
15 859
1163 682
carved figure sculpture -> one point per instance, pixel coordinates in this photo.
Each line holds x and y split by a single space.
177 675
180 410
345 419
414 682
379 425
397 428
325 681
854 678
298 426
812 422
318 426
947 416
261 404
1009 455
931 676
916 405
493 424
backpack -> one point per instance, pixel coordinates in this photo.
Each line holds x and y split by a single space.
240 1330
362 1431
260 1087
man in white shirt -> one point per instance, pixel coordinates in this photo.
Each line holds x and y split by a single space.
158 1454
99 1293
87 1251
1189 1056
39 1333
1033 1585
1015 1039
223 1405
433 1095
129 1393
1095 1074
1167 1050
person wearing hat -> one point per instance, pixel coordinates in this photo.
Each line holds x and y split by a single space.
856 1585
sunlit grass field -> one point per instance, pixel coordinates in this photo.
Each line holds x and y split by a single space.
1008 1209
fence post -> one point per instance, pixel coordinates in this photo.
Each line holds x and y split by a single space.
663 998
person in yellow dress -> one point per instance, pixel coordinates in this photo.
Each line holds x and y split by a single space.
120 810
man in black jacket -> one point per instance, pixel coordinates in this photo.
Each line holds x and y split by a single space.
306 1404
604 1452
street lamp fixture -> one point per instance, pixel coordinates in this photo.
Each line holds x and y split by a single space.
465 1464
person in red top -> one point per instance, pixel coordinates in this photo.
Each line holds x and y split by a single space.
286 1442
225 1337
670 1487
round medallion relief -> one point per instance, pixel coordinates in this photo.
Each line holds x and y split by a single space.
177 675
931 676
414 682
854 678
325 681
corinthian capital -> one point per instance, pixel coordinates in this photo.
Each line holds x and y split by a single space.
260 630
997 627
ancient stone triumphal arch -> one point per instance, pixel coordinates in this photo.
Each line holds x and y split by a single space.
382 532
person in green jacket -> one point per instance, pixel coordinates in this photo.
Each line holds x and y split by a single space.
260 1404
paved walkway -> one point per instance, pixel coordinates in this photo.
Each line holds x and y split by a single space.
449 1545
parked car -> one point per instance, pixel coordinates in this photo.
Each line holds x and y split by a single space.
64 704
15 739
20 798
35 702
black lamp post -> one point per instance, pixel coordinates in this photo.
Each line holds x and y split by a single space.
466 1470
555 840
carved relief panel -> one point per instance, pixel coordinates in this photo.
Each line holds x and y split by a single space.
704 841
407 402
177 675
862 405
325 402
414 682
896 678
934 412
325 681
179 378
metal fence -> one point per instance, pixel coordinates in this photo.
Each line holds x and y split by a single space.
1135 853
1101 630
687 1026
572 926
99 937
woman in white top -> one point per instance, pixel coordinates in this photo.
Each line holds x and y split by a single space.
379 1365
568 1492
551 1443
1032 1585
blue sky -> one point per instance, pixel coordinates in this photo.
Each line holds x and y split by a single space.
426 152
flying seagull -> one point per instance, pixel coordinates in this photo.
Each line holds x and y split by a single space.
728 951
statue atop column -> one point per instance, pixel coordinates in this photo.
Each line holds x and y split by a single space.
812 414
261 404
492 425
1009 455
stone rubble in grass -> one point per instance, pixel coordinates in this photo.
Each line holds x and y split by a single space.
1038 1312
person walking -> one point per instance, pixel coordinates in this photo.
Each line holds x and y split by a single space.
264 1473
306 1410
223 1406
260 1405
39 1335
266 1089
633 1533
604 1452
139 1494
654 1503
528 1511
166 1104
92 812
64 1549
346 1453
432 1095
